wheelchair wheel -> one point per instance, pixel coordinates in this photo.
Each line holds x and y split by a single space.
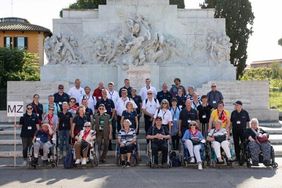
53 165
275 165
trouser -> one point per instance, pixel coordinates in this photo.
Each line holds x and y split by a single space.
127 149
238 137
27 143
118 123
204 129
175 142
148 122
225 146
102 139
45 146
256 148
194 150
64 138
114 128
81 147
138 118
160 146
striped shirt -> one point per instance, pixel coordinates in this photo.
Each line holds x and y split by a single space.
127 137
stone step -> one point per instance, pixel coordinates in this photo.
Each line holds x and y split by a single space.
276 139
272 130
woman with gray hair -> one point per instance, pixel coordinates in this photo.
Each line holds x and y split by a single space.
257 143
165 114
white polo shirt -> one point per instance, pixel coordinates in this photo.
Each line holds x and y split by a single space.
91 101
113 95
77 93
144 90
121 105
150 106
165 115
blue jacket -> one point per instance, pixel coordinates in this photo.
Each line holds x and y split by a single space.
188 135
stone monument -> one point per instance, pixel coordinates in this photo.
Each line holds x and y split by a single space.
137 39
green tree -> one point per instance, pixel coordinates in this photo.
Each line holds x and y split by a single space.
179 3
239 20
280 42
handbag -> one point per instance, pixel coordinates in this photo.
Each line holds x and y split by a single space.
262 138
220 138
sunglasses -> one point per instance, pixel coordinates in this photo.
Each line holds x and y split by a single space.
100 108
149 93
29 108
61 88
87 126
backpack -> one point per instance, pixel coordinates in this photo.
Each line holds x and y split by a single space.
146 100
68 161
175 161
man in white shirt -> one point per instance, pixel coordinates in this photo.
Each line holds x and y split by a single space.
143 91
77 92
121 106
112 94
91 100
149 107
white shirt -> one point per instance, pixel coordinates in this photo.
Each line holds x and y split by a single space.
150 106
113 95
143 92
91 102
121 105
77 93
165 115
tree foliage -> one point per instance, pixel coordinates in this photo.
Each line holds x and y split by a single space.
239 20
280 42
179 3
16 65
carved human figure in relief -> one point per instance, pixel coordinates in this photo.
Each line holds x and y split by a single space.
218 47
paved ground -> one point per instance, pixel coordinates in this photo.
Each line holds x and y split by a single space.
103 177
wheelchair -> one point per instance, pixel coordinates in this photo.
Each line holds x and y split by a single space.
212 159
245 156
52 160
150 162
135 156
92 157
185 156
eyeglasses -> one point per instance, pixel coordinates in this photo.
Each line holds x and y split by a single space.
61 88
213 86
149 93
72 101
193 125
87 126
29 108
101 108
51 109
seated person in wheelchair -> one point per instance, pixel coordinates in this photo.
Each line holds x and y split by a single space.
127 142
84 141
193 140
159 136
42 140
258 143
219 138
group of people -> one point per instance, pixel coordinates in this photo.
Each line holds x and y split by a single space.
78 118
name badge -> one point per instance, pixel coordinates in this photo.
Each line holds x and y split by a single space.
180 106
37 139
175 119
189 121
37 115
60 103
29 128
204 116
213 102
238 122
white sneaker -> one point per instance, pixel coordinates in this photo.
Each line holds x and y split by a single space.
77 161
83 162
200 166
192 160
24 163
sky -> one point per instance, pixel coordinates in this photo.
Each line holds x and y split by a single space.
262 44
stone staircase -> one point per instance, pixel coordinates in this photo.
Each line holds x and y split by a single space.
7 143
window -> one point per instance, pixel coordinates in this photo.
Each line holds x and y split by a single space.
20 42
8 42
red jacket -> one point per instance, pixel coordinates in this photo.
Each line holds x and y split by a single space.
97 94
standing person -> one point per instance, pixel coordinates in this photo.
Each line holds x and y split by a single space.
181 98
121 106
73 107
51 103
175 112
61 96
220 114
143 91
78 122
214 96
112 93
149 107
103 128
127 87
91 100
196 101
76 91
165 114
204 111
37 107
29 124
98 91
164 94
131 115
240 122
88 112
64 129
176 86
187 115
138 101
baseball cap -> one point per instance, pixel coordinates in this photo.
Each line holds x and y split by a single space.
159 118
238 102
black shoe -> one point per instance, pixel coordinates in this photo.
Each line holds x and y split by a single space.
45 162
122 163
255 163
266 163
103 161
127 164
35 162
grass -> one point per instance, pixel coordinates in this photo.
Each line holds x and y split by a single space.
275 100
